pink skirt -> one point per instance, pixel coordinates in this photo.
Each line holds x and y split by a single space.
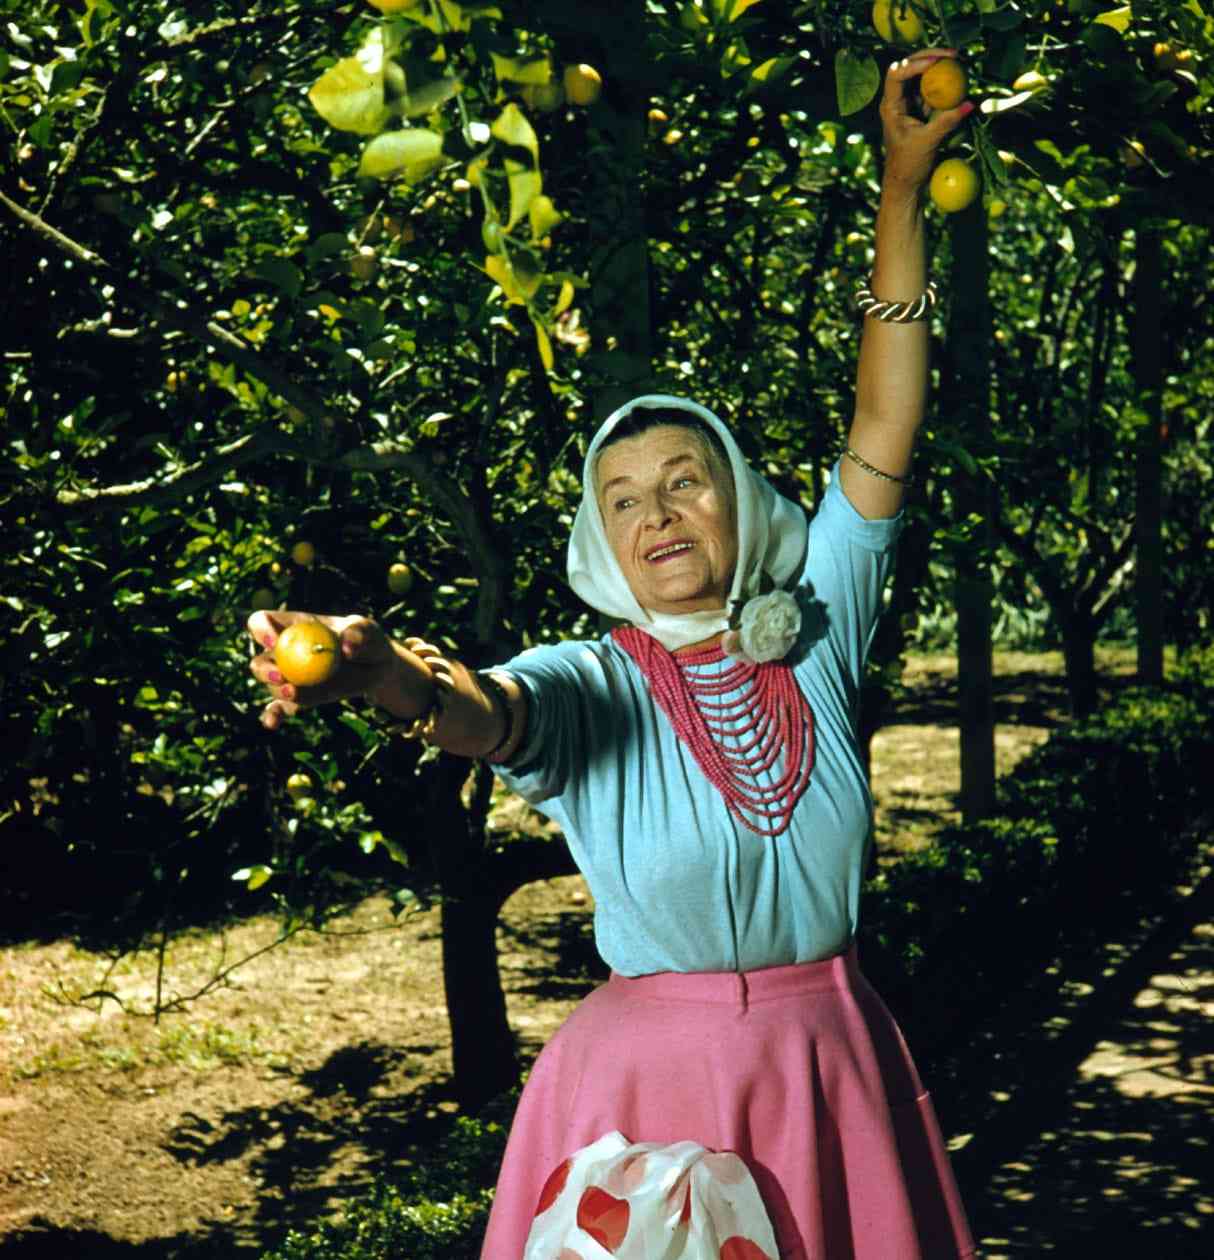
800 1070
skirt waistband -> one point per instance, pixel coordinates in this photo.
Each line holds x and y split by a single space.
742 988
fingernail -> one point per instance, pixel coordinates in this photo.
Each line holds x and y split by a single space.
288 692
967 108
274 676
269 641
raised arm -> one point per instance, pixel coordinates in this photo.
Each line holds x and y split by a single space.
891 378
410 680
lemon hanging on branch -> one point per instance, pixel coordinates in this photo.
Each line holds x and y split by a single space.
583 84
307 653
897 21
954 185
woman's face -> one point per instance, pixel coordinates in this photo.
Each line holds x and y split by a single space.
668 511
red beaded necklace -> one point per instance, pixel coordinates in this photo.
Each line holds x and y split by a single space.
770 709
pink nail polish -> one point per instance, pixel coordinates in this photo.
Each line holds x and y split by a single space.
274 676
268 641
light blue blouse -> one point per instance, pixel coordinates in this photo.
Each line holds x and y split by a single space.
678 883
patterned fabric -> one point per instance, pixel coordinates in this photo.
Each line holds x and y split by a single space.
644 1201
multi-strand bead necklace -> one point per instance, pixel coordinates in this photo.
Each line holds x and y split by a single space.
768 719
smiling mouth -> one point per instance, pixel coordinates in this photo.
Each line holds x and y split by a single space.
664 553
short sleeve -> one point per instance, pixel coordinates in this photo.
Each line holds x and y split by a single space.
848 562
555 681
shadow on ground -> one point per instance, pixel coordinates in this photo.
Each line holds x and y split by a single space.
349 1103
563 962
1092 1113
1088 1103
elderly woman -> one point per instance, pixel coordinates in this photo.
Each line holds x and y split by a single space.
735 1090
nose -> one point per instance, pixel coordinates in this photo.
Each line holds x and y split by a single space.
659 512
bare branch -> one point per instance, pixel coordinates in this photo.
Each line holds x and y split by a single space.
174 315
204 472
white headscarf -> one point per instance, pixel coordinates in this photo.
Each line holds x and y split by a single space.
772 537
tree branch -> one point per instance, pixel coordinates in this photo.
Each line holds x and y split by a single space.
172 315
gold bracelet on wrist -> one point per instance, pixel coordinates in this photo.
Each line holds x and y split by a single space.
498 692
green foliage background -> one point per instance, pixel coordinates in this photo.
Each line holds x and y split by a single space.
221 339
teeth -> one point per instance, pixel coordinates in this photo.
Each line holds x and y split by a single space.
666 551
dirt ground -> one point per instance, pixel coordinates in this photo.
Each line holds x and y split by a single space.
325 1061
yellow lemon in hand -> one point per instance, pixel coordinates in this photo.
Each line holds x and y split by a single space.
306 653
954 184
943 85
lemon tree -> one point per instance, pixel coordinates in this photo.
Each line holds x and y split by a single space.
199 374
409 87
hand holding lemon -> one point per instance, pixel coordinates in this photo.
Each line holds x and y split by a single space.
309 659
911 141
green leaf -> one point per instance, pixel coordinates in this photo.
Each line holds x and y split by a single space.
350 95
1005 19
536 70
525 185
1104 41
857 80
253 876
326 246
412 154
281 274
40 131
67 75
771 70
993 165
429 96
1005 56
511 127
1119 19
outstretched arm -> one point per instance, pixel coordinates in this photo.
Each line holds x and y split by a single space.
891 380
406 679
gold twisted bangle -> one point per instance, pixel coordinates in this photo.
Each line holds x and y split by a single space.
896 312
861 462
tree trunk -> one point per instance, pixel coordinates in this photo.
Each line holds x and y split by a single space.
1079 655
969 336
482 1044
621 356
1148 512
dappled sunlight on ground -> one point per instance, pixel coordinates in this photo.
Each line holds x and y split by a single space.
1118 1161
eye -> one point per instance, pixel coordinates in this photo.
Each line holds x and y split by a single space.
621 504
682 481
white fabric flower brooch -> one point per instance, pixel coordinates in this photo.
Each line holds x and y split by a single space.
766 630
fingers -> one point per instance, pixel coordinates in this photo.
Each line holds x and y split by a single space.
901 72
438 665
943 121
265 627
276 712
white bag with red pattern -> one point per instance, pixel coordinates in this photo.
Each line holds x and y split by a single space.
616 1200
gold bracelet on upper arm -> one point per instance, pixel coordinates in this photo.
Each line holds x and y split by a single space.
861 462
